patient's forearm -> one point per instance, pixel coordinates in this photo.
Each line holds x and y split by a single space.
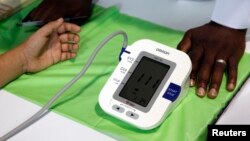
12 65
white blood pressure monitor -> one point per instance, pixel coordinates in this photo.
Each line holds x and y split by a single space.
149 81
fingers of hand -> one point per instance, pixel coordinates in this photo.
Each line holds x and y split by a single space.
72 48
68 27
67 55
69 46
195 56
216 78
185 43
69 38
206 71
204 75
69 43
50 27
232 73
210 72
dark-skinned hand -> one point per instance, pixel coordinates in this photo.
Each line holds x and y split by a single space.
205 45
50 10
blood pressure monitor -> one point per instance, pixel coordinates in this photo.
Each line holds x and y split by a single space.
150 80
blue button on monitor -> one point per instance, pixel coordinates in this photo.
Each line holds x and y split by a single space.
172 92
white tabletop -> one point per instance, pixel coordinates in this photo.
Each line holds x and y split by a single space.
238 111
52 127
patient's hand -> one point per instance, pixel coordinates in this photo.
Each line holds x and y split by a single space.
50 10
55 42
48 46
208 46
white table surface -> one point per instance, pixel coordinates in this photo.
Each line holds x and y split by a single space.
238 111
52 127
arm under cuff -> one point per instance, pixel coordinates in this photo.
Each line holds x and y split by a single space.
232 13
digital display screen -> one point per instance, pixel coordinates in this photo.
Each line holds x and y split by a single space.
144 81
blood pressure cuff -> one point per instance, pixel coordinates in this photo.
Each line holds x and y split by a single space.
188 122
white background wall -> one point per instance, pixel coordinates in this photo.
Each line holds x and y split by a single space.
177 14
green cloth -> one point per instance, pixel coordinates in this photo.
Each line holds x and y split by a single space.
188 122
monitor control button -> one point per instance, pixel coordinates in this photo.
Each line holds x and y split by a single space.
132 115
118 108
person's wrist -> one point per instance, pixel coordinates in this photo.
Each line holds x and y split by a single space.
213 23
22 56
